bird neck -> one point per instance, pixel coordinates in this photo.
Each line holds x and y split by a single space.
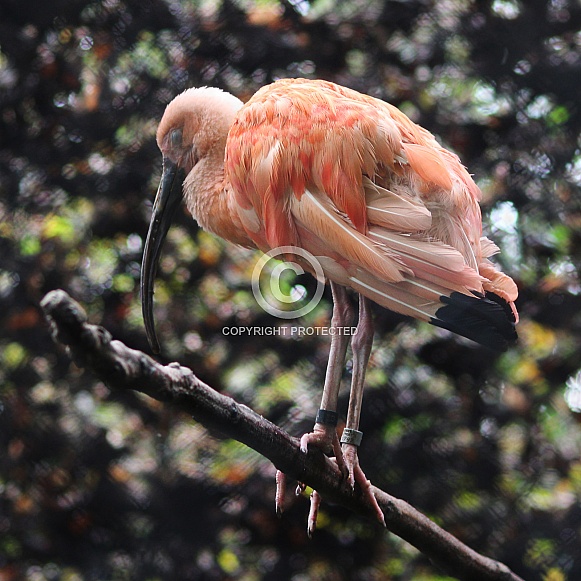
209 200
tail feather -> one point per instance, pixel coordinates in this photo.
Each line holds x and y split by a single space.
488 320
430 258
414 302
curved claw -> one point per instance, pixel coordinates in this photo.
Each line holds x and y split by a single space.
301 487
356 475
313 513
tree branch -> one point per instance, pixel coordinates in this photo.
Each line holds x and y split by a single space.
120 367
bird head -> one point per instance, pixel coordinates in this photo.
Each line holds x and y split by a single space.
193 128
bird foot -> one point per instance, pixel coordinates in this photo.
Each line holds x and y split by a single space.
356 475
280 494
326 439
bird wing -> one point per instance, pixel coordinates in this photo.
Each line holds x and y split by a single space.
351 179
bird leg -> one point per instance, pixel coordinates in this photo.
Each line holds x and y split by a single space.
324 434
351 437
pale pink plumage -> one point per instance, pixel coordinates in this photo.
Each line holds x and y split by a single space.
386 210
351 178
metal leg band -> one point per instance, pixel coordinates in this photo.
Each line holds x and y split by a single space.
351 436
327 417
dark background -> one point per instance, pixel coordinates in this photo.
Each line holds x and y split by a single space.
101 485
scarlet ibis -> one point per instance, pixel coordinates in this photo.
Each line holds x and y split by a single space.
385 209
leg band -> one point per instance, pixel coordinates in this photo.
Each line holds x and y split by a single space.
327 417
351 436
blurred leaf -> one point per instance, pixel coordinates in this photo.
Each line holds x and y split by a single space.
123 283
30 245
59 227
559 115
228 561
13 355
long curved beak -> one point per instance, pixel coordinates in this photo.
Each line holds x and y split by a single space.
167 200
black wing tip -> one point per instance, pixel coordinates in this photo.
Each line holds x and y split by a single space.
487 320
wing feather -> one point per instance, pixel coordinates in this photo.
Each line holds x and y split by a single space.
317 214
389 212
388 209
428 164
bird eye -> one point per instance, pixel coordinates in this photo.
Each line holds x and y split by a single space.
176 138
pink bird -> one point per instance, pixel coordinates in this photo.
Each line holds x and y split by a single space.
386 211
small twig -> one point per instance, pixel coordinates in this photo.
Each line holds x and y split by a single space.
92 347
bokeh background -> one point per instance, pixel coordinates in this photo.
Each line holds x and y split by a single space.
102 485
